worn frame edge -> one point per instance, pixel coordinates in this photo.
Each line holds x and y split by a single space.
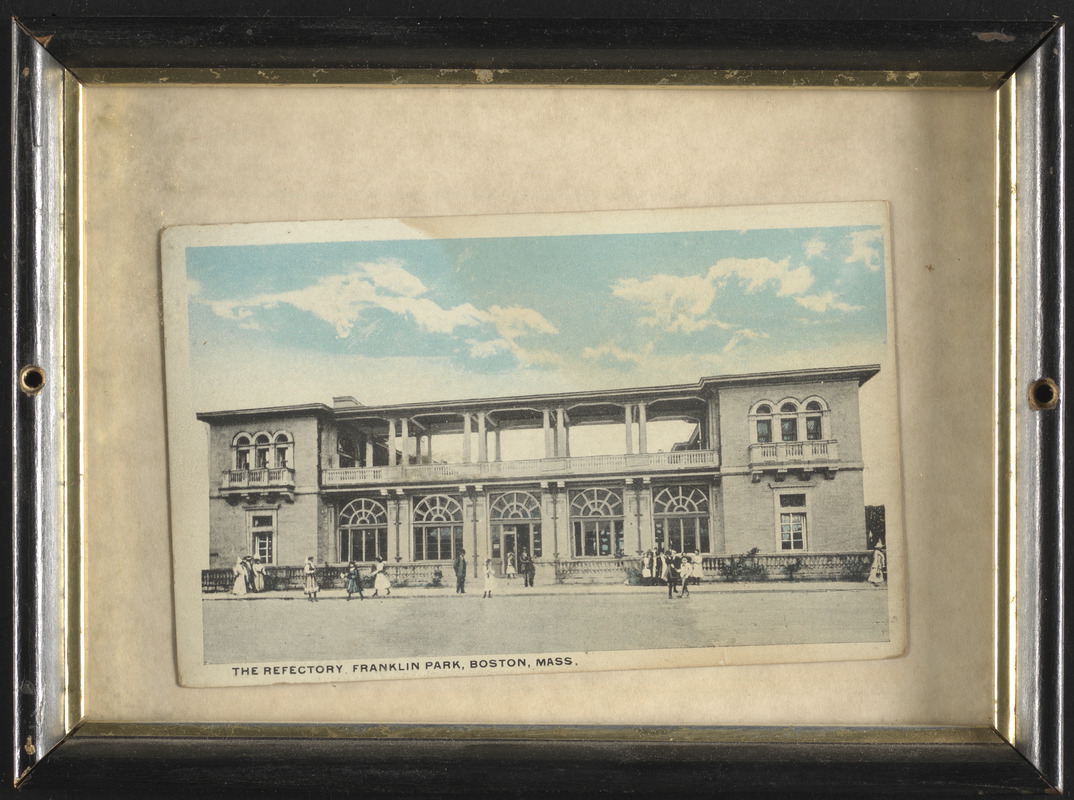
1041 739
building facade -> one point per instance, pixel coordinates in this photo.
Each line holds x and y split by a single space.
771 461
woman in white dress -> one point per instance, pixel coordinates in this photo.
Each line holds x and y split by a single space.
490 579
647 568
510 570
238 586
259 575
879 567
380 579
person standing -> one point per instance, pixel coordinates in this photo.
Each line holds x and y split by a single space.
647 568
238 585
380 579
510 567
248 573
259 575
674 564
311 587
686 574
460 572
354 581
878 571
529 569
490 579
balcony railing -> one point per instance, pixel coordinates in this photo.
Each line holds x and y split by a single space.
528 468
265 478
796 454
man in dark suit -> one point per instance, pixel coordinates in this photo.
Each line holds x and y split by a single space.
460 572
529 569
674 565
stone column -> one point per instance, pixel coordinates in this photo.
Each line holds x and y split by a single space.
482 439
628 422
466 447
369 451
549 441
561 432
642 443
405 446
391 442
496 438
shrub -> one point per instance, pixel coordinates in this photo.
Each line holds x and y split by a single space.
437 581
743 568
790 569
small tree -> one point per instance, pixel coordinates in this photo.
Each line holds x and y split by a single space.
743 568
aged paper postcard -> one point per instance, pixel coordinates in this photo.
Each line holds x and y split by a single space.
501 444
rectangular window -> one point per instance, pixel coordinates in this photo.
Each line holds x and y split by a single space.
792 501
764 431
536 552
262 530
792 530
281 457
788 428
436 543
598 537
703 534
363 545
659 525
263 547
812 428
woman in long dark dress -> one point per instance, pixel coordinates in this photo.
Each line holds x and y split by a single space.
354 581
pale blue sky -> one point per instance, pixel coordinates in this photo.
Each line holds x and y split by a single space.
426 319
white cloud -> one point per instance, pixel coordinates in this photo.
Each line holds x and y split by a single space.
488 349
612 352
759 272
740 335
865 247
682 303
822 302
815 247
673 303
341 300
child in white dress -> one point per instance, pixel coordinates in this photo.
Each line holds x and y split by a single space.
490 579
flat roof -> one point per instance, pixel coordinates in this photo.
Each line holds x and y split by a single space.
676 392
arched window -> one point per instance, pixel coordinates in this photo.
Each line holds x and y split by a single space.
682 518
788 422
761 417
816 420
437 528
262 449
240 446
515 521
515 505
363 531
282 457
597 523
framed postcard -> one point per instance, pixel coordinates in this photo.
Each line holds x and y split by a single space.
576 491
540 394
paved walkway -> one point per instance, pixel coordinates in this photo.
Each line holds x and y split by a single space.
507 588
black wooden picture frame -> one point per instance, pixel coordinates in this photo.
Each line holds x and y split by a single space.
53 39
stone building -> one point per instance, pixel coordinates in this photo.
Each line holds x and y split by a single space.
771 461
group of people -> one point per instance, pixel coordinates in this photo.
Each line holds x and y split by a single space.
674 569
528 570
311 587
525 566
249 575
